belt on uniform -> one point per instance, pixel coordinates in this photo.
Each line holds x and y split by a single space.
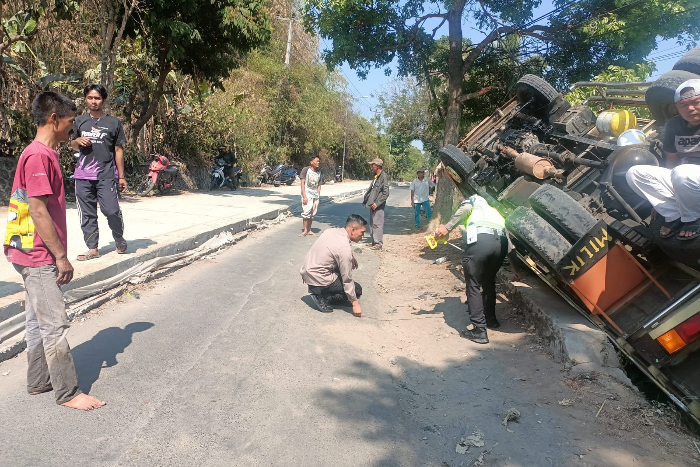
486 230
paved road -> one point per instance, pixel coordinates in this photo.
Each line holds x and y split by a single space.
224 363
221 364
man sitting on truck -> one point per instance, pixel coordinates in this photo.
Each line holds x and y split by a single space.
674 191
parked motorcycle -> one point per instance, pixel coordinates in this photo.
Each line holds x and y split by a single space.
277 175
161 176
219 177
339 174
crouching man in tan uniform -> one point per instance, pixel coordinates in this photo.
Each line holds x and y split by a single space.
328 267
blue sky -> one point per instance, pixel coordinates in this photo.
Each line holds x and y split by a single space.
365 91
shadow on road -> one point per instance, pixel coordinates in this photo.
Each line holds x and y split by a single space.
101 352
10 288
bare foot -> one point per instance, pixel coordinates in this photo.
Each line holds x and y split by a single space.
84 402
304 234
46 389
311 233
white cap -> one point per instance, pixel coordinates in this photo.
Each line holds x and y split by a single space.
693 84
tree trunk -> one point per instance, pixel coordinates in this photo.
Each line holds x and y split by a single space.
444 193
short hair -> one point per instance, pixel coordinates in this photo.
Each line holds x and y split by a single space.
49 102
686 90
356 219
314 157
95 87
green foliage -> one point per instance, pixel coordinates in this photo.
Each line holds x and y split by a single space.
273 114
204 38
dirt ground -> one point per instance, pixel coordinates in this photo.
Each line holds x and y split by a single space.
565 418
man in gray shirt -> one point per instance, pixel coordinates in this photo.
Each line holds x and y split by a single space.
328 266
375 201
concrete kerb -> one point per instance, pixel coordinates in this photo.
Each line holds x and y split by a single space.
574 341
11 344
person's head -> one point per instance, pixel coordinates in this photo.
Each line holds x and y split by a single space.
356 226
376 165
95 96
55 113
687 100
420 173
314 162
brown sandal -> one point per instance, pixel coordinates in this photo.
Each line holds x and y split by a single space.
88 256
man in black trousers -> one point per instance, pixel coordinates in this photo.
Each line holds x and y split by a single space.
485 248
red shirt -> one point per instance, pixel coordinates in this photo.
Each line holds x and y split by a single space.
38 174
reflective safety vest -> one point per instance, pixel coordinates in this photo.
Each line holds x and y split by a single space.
483 215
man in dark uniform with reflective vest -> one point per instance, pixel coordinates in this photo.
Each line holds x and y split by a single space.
485 247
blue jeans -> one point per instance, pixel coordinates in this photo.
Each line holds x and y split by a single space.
426 208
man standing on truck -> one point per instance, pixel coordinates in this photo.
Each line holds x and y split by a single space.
310 193
674 191
485 247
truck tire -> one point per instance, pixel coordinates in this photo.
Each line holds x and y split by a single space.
690 61
659 96
459 163
562 212
536 234
547 101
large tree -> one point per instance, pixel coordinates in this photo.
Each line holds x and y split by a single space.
204 39
576 39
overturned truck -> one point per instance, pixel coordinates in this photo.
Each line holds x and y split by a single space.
557 174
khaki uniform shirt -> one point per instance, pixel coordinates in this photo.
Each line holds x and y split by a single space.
330 254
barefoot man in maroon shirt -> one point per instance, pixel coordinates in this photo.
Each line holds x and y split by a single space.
35 243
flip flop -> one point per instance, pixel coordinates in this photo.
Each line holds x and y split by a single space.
673 226
87 256
693 227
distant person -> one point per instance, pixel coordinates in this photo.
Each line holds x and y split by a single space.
375 201
310 193
485 247
328 267
674 191
99 173
420 192
36 244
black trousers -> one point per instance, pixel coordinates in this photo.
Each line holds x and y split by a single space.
335 291
87 194
481 262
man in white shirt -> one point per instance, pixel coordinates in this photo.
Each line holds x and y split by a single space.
310 193
420 190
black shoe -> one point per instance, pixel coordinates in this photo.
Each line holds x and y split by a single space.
492 323
339 299
321 303
475 334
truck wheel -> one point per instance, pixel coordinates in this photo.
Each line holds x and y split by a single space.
536 234
547 101
562 212
690 61
659 96
459 164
